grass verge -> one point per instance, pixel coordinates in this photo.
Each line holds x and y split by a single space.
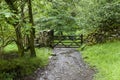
105 58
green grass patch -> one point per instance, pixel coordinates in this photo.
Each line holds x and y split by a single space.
105 58
10 48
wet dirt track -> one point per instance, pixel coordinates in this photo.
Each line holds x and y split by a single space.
66 64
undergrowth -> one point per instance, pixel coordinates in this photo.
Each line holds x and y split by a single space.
19 67
105 58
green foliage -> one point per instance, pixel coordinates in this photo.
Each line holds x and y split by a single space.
59 16
94 14
82 16
104 58
110 14
19 67
6 30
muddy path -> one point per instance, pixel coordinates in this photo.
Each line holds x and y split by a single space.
66 64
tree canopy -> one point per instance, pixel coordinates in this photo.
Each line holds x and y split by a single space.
24 18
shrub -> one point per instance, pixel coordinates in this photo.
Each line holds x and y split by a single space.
18 68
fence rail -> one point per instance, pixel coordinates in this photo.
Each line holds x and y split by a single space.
68 41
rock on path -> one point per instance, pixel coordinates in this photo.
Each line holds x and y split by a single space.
66 65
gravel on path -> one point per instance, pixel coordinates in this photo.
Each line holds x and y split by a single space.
66 64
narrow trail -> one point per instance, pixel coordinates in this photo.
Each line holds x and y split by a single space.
67 64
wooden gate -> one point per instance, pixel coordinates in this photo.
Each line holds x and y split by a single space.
68 41
48 39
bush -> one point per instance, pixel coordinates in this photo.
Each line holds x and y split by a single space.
18 68
109 15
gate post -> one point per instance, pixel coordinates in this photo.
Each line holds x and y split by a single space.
81 37
51 35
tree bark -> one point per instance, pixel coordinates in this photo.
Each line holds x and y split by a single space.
32 32
19 41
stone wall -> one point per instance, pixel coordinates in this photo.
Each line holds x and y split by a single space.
44 38
103 34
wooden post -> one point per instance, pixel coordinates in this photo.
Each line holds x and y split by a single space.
81 37
51 38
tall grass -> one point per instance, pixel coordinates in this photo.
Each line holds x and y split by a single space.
43 54
105 58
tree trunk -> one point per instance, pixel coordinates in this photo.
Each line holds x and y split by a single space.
1 50
17 27
32 32
19 41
